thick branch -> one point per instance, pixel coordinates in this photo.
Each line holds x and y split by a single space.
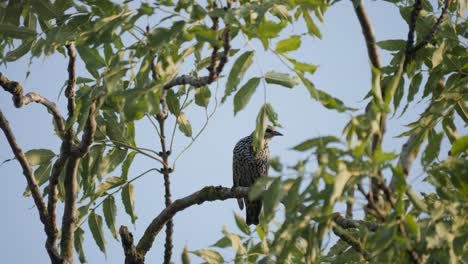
209 193
69 213
32 184
369 37
19 100
352 242
52 202
88 132
70 91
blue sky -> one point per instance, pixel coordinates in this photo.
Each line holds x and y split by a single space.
344 72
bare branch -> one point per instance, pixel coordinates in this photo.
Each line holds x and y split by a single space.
368 33
32 184
52 202
69 213
341 233
70 91
19 100
89 131
209 193
412 26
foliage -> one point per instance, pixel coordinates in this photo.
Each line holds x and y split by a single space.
130 65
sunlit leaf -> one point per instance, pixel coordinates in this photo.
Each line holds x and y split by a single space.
289 44
210 256
184 125
185 256
311 26
39 156
460 145
392 44
282 79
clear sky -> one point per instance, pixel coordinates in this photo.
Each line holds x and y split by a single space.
344 72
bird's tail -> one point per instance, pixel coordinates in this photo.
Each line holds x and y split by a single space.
253 211
241 203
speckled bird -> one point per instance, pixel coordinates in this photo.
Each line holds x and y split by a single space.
248 166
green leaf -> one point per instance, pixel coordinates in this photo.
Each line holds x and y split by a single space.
238 70
398 94
259 133
275 163
79 244
45 9
110 212
316 142
8 30
311 27
95 225
128 201
460 145
92 59
303 67
223 242
282 79
289 44
39 156
126 165
202 96
19 52
173 102
185 256
184 125
272 115
242 97
438 55
392 44
41 174
206 34
197 13
272 198
240 222
413 226
110 162
109 183
210 256
414 86
433 147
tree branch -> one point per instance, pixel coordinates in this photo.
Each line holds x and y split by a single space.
369 36
70 91
352 242
88 133
52 202
351 223
19 100
209 193
69 213
32 184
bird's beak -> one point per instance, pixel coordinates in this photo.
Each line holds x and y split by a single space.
276 133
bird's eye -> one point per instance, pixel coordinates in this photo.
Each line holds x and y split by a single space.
268 130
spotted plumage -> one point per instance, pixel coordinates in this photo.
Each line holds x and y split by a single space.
248 166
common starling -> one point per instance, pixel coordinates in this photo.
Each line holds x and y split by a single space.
248 166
